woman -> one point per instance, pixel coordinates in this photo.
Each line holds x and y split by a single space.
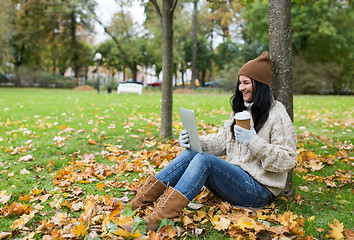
257 163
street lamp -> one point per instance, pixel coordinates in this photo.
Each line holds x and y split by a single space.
98 57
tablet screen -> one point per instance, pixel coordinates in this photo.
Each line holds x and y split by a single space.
190 125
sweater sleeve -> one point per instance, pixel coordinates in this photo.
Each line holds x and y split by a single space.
215 143
279 154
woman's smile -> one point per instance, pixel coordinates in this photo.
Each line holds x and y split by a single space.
246 88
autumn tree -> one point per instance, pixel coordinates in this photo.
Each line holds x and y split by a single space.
195 43
281 54
129 39
6 15
165 13
50 35
316 25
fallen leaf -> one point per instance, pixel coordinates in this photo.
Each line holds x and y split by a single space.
5 234
24 171
26 198
195 206
4 197
26 158
221 223
100 186
337 230
245 223
91 141
81 229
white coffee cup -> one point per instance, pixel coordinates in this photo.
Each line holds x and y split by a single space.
243 119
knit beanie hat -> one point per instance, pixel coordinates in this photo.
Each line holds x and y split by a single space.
259 69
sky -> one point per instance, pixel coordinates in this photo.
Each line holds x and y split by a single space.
106 9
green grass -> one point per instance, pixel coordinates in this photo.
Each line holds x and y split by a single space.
324 125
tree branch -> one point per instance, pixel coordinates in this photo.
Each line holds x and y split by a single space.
157 8
125 56
174 5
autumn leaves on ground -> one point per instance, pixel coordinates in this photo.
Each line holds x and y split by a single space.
70 161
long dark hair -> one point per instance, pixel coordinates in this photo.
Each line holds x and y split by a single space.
262 103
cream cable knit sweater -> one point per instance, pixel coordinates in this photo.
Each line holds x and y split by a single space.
269 156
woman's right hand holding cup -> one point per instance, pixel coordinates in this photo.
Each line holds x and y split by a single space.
184 139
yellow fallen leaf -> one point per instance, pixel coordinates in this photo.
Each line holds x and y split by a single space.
221 223
91 141
150 143
124 233
25 198
337 229
245 222
187 222
81 229
100 186
36 191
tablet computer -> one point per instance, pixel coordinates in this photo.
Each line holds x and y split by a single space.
190 125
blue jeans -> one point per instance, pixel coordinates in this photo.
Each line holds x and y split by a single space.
190 171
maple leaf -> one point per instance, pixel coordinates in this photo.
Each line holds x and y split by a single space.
245 223
5 234
337 230
25 218
349 233
187 222
81 229
91 141
315 165
25 198
221 223
125 233
100 186
24 171
199 216
77 206
17 209
90 211
59 219
36 191
26 158
4 197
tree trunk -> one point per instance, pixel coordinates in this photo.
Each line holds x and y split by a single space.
280 48
167 67
134 70
74 45
182 74
195 43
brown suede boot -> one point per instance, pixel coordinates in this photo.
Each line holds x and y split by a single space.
169 205
148 193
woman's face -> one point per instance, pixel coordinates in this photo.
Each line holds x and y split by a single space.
246 88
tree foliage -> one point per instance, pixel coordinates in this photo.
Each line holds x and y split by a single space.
50 36
322 33
6 15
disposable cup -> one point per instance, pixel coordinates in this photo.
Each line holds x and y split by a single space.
243 119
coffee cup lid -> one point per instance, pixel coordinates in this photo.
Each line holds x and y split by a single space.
242 115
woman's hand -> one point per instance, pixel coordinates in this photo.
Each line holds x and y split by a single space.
244 136
184 139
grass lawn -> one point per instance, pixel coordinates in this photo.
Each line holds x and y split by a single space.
63 152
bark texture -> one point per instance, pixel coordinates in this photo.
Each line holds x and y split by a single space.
280 47
195 44
167 67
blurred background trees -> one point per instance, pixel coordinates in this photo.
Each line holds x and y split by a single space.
41 40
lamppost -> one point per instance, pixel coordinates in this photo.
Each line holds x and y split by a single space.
97 58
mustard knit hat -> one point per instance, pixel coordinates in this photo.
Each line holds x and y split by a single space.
259 69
